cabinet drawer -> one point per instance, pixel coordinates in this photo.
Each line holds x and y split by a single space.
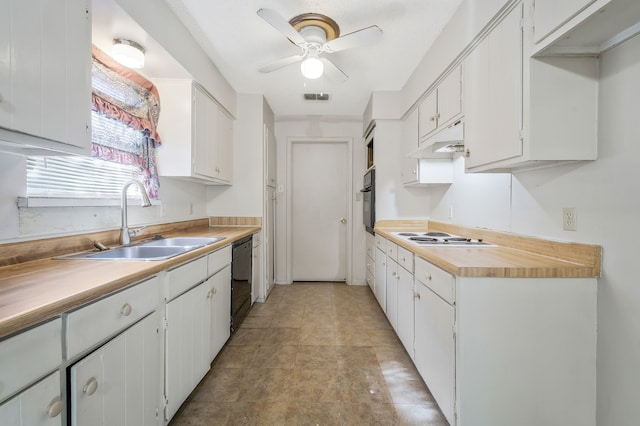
442 283
392 250
94 323
405 259
371 281
29 355
182 278
381 243
371 246
371 265
218 260
39 405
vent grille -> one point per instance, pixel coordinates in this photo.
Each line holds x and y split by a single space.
316 96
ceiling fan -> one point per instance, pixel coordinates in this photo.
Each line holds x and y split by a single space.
316 35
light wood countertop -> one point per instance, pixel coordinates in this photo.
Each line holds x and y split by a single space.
35 291
514 256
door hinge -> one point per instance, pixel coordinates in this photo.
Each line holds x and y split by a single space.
453 329
165 324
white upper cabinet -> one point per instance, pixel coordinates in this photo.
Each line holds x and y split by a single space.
196 134
493 95
442 106
45 74
581 27
523 112
551 14
270 147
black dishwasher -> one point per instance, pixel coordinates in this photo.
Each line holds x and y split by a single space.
240 281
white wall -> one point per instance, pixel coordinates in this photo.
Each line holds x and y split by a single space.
321 127
606 193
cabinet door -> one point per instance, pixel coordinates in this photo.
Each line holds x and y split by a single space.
39 405
405 322
450 98
381 279
187 347
45 84
204 124
435 347
223 142
548 15
270 147
120 383
428 115
392 292
493 94
220 313
410 141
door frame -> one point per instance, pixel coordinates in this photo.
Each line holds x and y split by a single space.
289 201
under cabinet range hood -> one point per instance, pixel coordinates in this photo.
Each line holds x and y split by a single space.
446 141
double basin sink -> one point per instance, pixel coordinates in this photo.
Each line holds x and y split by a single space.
156 249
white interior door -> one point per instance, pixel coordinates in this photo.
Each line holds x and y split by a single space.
319 210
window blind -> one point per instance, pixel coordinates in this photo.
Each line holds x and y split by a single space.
77 177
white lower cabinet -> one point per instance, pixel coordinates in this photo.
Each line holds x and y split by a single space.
392 292
120 382
39 405
405 321
380 288
220 295
186 345
197 324
435 345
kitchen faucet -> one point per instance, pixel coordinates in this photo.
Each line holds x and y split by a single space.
125 234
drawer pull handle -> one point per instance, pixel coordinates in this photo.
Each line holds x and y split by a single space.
429 277
91 386
55 407
126 310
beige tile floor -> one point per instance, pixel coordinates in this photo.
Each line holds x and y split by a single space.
313 354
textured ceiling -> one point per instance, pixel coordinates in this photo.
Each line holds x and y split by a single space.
239 41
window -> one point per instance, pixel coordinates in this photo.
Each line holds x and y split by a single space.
125 111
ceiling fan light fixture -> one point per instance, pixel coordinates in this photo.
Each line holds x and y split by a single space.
312 67
128 53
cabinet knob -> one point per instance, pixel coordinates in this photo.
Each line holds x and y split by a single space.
416 295
55 407
393 273
91 386
126 310
343 220
210 294
429 277
433 118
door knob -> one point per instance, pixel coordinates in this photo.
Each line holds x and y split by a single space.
343 220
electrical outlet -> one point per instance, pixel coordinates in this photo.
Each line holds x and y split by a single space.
569 219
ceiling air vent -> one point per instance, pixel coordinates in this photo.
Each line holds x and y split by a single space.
316 96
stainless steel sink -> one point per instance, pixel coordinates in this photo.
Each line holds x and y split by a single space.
134 253
182 241
159 249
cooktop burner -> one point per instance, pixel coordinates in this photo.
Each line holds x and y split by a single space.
437 234
435 238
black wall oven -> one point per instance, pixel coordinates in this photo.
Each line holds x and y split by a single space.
369 200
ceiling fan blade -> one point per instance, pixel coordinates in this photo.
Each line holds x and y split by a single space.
279 23
332 72
281 63
357 38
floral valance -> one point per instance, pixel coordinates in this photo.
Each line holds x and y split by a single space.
125 112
